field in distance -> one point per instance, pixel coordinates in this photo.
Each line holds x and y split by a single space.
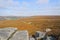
33 23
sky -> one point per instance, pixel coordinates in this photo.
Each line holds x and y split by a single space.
29 7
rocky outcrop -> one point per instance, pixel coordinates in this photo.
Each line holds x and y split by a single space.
13 34
20 35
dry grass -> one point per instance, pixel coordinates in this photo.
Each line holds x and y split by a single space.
18 24
37 24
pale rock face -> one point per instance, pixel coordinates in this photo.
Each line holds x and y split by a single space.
20 35
48 30
31 38
5 33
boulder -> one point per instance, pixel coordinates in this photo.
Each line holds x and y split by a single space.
5 33
20 35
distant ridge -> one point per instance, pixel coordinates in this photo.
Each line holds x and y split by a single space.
28 17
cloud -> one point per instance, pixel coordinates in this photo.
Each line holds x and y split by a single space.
11 7
8 3
42 1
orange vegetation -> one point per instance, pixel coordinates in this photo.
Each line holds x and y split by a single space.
18 24
32 24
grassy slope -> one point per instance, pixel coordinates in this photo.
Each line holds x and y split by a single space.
18 24
37 23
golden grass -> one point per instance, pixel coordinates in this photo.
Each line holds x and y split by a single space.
36 25
18 24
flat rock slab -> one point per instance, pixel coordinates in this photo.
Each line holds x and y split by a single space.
31 38
20 35
5 33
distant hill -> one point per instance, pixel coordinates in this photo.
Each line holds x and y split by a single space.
10 17
26 17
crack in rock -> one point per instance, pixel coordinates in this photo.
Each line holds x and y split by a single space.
20 35
13 34
5 33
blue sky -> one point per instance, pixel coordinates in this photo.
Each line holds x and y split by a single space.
29 7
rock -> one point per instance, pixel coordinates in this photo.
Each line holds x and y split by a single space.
5 33
31 38
41 34
20 35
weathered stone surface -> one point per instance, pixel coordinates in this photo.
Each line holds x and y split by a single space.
20 35
5 33
41 34
31 38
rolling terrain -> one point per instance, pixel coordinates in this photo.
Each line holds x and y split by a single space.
34 23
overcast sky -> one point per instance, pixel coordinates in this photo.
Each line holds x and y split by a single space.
29 7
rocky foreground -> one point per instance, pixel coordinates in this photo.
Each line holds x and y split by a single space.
13 34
